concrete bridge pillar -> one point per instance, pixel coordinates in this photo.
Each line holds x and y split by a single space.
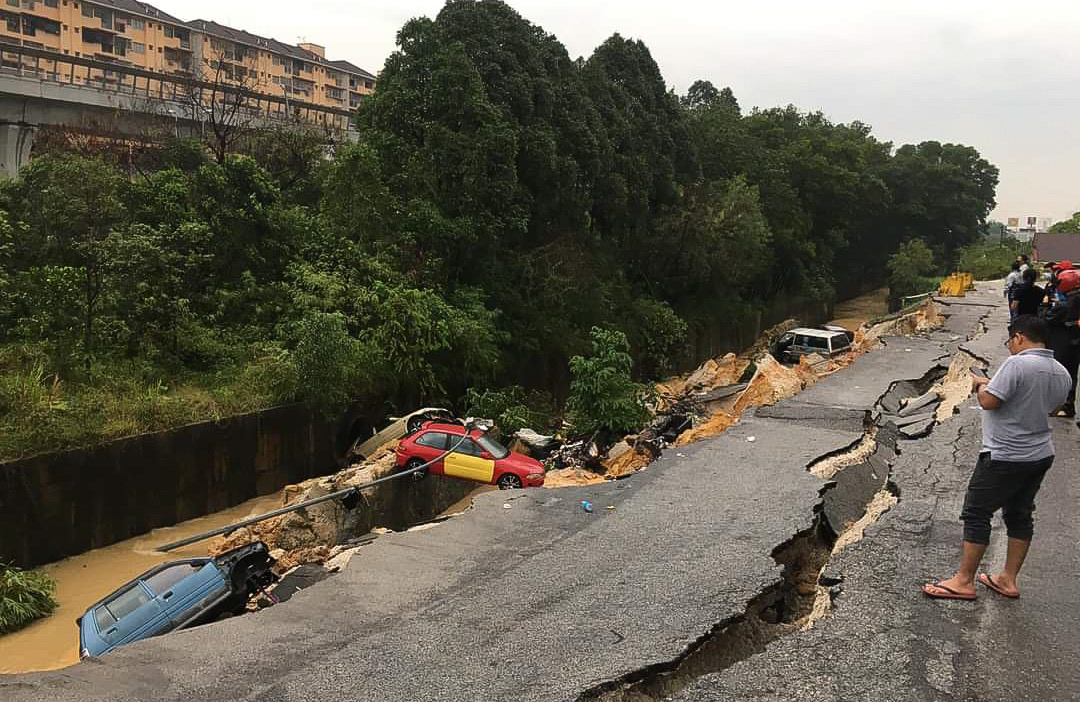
16 141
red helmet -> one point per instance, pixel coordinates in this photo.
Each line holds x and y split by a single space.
1068 280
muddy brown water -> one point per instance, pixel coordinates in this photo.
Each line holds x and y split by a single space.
852 314
82 580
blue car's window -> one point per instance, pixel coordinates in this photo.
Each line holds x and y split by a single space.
127 602
163 581
104 618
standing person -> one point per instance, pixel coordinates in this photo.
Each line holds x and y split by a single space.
1028 297
1017 450
1012 279
1061 338
1023 260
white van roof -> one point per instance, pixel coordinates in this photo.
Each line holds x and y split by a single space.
820 333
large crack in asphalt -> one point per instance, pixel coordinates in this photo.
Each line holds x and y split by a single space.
859 492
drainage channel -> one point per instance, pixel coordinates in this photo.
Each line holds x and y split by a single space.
859 492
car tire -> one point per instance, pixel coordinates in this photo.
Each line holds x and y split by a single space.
415 463
509 481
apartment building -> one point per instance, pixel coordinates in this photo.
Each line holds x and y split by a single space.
137 34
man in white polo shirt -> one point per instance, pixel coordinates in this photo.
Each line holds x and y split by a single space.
1017 450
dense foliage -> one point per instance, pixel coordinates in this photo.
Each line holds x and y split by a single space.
503 199
25 595
1067 226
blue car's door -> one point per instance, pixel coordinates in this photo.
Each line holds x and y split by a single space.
129 616
185 590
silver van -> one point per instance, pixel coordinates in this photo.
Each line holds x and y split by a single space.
803 342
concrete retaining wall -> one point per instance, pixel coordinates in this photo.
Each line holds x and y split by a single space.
60 504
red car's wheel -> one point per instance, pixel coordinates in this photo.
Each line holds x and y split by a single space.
416 463
508 481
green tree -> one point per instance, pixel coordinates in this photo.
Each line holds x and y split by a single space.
68 206
1067 226
331 365
603 396
910 269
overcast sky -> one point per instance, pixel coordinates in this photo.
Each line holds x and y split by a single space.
1003 77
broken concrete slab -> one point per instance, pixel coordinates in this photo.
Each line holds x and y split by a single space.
913 405
902 422
854 487
618 450
539 445
917 431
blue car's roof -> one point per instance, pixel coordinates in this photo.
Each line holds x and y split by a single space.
142 576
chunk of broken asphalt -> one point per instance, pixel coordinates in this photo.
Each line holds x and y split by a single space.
917 431
901 421
914 405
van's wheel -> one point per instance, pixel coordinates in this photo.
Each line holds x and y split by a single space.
412 465
509 481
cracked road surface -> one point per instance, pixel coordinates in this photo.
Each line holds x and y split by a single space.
885 641
543 601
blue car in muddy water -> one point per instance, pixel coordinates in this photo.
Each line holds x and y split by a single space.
173 596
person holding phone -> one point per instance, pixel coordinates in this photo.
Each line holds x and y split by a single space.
1017 451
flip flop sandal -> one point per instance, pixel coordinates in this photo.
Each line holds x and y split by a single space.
949 593
989 582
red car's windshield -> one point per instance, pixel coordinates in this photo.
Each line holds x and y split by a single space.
497 450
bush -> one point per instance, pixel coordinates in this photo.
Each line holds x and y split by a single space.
602 394
660 337
329 363
25 595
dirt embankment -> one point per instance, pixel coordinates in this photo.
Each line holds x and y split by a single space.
310 534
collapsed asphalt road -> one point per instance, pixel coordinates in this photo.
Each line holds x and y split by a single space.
885 641
528 597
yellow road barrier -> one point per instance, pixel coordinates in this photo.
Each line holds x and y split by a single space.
956 285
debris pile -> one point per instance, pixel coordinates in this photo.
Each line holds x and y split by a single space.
708 401
771 383
310 535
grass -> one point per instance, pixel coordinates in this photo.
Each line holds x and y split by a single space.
25 595
41 412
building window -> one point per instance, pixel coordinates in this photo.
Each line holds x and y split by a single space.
13 3
87 11
137 48
52 3
106 16
136 23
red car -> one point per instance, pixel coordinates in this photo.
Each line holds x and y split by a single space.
479 458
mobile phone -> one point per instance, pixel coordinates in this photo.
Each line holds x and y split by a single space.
979 372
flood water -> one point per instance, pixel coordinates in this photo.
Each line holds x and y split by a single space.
82 580
852 314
